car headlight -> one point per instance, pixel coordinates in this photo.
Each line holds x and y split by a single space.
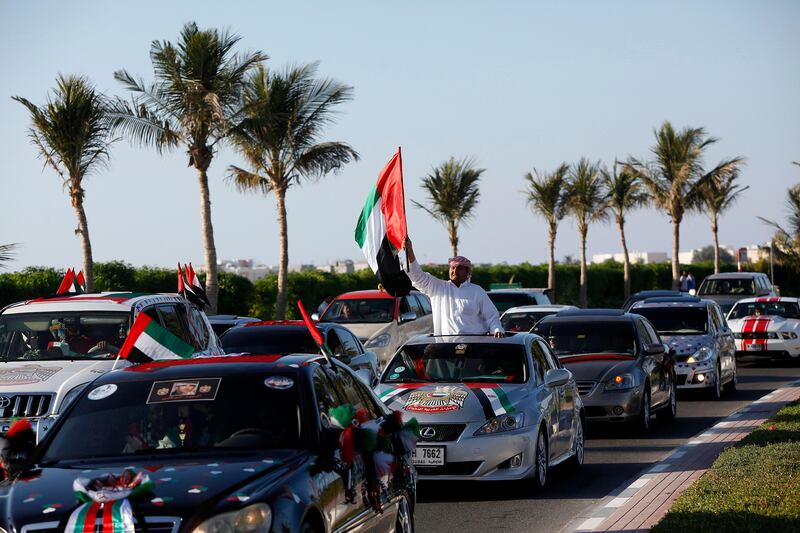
772 335
501 423
788 334
381 341
256 517
621 382
700 356
71 395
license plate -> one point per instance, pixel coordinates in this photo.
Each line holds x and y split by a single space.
754 348
428 456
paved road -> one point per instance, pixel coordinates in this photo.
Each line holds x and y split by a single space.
612 457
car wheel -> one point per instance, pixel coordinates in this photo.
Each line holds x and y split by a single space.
669 412
645 415
576 461
731 385
541 462
405 520
716 390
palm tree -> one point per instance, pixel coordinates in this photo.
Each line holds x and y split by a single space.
718 195
676 175
586 201
787 241
72 135
285 113
6 253
545 194
453 194
625 193
195 96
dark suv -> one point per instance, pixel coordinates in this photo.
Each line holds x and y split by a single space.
728 288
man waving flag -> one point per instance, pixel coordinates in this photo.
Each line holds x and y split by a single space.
381 229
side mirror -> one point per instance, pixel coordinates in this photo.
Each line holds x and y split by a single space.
657 349
407 317
555 377
365 375
315 316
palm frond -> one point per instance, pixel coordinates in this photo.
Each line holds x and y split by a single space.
7 252
246 182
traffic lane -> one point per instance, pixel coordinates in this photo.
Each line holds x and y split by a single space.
614 455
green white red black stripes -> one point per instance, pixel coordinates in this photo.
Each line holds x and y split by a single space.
114 517
148 341
492 398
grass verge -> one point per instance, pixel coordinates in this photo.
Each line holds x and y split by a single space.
753 486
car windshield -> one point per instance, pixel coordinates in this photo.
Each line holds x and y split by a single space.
268 340
59 335
257 411
732 286
360 311
523 321
459 362
784 309
676 320
504 301
573 337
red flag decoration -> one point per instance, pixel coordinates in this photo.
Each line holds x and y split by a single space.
381 228
195 286
315 333
66 282
181 283
80 283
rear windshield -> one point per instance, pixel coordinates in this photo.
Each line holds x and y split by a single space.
360 311
181 416
62 335
732 286
458 362
505 301
572 337
523 321
676 320
266 340
784 309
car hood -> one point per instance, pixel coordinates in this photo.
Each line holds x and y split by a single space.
688 344
365 331
725 301
453 402
50 376
598 367
180 488
763 323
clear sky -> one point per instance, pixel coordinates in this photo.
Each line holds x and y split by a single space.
514 84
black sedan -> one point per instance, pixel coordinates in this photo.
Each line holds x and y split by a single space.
624 372
292 336
236 443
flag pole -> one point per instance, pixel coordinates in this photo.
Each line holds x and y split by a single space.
405 217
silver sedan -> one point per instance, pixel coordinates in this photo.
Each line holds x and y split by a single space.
489 408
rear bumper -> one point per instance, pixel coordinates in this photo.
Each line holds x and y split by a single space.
612 406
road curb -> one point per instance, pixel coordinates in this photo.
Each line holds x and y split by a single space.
639 503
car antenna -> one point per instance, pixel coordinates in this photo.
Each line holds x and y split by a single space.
315 334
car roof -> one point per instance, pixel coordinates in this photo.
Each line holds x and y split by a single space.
366 294
510 338
669 299
103 301
538 308
591 313
766 299
735 275
656 292
218 366
652 303
282 325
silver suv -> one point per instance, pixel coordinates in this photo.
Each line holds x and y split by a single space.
728 288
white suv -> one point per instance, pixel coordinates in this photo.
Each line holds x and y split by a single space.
50 348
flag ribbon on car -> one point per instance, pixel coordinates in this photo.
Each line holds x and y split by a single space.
393 393
150 341
316 334
492 398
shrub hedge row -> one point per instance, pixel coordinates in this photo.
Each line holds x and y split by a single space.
239 296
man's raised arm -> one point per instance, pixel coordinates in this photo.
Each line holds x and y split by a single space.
422 281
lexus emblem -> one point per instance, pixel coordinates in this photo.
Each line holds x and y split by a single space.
5 401
427 432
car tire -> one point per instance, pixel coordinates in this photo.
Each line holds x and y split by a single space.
405 518
541 461
730 386
576 461
645 419
716 391
670 411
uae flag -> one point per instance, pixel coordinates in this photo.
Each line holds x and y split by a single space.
381 229
149 341
193 284
72 283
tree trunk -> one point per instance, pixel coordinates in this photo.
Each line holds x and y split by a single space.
283 264
676 237
452 231
583 292
626 262
551 264
715 230
86 244
212 285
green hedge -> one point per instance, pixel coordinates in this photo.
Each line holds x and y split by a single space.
239 296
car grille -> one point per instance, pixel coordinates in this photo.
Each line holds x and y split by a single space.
443 432
586 387
462 468
757 335
24 405
155 524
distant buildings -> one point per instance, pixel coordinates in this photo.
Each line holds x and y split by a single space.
249 269
753 253
642 258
